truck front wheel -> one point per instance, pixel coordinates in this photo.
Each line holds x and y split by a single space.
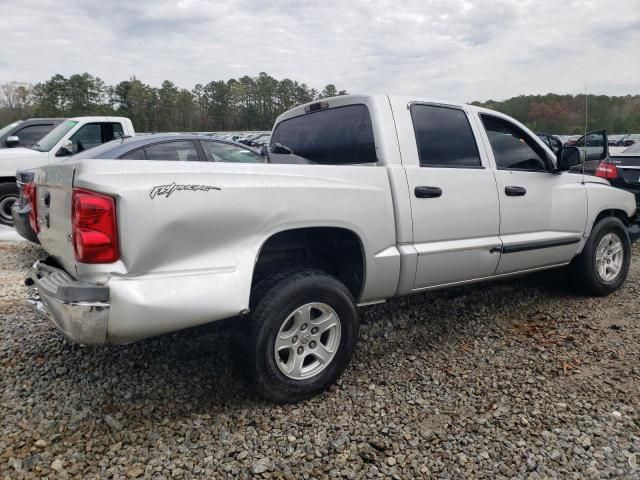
603 265
8 195
303 332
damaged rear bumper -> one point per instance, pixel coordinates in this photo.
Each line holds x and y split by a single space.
79 309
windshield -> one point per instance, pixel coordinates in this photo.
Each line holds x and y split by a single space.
50 140
8 128
635 148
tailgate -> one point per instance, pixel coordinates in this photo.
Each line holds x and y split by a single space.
54 184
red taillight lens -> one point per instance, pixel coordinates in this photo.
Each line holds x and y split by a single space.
607 170
29 194
93 219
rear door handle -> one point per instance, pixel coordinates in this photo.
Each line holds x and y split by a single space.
428 192
515 191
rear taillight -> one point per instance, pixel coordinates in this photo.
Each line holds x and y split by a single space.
93 219
29 194
607 170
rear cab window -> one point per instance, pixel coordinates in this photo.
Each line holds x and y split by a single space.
332 136
444 137
178 151
135 155
224 152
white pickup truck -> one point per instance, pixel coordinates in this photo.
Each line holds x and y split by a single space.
71 136
363 198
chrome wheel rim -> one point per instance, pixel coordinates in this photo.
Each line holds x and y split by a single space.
5 207
307 341
609 257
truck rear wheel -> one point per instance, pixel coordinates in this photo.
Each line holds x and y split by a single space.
8 195
603 265
302 334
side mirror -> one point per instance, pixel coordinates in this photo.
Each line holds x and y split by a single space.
12 141
568 157
66 150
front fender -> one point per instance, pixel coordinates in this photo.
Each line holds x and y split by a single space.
603 197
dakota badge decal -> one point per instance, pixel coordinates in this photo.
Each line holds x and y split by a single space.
166 190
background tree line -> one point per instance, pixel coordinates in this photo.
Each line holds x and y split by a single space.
247 103
253 103
565 114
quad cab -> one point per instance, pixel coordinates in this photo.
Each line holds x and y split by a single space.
363 198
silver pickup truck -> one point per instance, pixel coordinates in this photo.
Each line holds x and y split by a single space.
362 198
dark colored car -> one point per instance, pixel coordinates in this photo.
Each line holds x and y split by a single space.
552 141
27 132
623 170
196 148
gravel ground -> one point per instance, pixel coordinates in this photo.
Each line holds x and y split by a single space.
507 380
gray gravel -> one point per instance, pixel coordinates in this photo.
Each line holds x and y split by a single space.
507 380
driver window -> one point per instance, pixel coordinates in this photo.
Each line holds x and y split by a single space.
512 148
87 137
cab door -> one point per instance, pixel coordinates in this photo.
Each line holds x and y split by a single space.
454 200
543 214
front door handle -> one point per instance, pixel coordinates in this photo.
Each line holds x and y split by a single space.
428 192
515 191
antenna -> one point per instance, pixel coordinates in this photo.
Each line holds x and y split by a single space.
586 127
586 113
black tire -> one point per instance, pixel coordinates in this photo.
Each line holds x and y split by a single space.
8 194
584 276
272 305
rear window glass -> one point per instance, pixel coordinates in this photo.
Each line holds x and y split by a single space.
336 136
173 151
444 137
135 155
223 152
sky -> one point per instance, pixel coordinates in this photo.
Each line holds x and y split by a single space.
459 50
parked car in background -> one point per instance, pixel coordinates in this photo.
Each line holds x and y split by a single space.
553 142
631 150
365 197
27 132
571 140
247 139
72 136
171 147
262 142
615 140
259 139
595 146
623 170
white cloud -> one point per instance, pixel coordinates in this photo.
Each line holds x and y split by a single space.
453 49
